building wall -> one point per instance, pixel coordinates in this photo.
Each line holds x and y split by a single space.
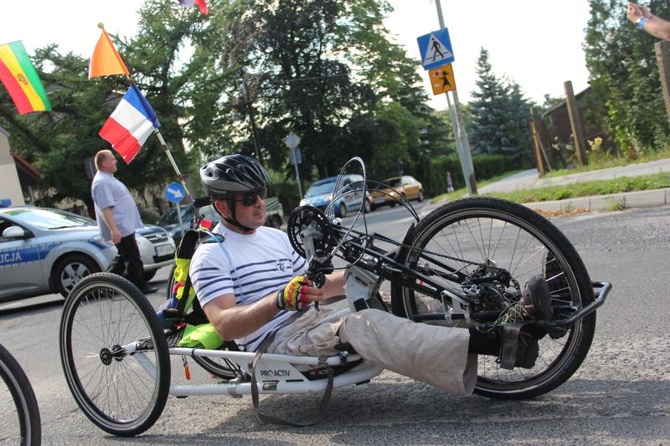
10 186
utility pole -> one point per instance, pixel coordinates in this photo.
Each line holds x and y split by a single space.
662 50
575 124
460 134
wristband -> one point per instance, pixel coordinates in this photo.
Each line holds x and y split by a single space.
641 22
281 304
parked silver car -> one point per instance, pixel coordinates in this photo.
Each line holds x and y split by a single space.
170 219
157 249
45 250
321 194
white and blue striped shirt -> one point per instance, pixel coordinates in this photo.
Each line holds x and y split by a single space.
250 266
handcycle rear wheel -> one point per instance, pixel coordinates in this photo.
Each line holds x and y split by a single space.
515 238
19 412
114 354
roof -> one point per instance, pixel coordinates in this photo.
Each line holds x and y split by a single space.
563 104
28 175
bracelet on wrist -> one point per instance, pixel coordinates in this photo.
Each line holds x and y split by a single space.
281 304
641 21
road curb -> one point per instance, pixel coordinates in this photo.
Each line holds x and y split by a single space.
596 203
612 202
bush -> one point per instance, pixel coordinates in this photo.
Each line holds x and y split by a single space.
486 167
286 189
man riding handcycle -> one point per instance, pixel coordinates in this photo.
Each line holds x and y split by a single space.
267 291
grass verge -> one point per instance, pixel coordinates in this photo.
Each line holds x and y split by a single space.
588 188
574 190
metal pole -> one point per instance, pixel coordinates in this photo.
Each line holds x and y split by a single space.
294 155
461 135
454 129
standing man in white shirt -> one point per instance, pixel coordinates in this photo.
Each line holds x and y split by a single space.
118 218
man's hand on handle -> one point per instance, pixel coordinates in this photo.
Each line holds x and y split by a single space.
298 294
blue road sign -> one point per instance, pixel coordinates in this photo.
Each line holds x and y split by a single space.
435 49
175 192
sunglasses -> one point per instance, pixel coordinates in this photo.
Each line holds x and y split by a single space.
250 198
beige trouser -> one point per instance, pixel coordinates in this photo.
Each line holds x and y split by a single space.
431 354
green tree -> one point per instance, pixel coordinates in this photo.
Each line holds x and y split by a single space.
238 79
518 126
59 143
324 69
499 116
624 77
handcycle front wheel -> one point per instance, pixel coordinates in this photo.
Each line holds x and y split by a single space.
114 354
465 234
19 413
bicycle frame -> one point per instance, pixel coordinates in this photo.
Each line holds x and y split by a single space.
368 266
365 256
275 373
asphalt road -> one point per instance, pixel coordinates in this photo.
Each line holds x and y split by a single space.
620 395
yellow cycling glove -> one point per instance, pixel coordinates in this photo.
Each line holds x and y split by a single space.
292 297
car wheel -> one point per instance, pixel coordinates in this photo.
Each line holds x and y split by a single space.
342 210
148 275
366 206
420 196
70 270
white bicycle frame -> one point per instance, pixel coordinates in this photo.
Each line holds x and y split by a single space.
279 374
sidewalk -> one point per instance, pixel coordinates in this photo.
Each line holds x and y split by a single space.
529 179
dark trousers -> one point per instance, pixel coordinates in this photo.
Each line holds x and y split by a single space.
128 260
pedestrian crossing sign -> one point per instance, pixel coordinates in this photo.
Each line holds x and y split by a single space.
435 49
442 79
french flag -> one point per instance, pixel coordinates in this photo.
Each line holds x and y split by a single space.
130 124
199 3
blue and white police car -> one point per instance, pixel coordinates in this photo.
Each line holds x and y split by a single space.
45 251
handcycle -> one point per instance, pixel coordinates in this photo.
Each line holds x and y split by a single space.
463 265
19 413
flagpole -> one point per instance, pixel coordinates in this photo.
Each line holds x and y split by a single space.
106 61
174 164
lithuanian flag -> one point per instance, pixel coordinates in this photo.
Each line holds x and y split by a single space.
21 80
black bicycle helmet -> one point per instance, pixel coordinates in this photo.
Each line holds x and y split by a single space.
233 174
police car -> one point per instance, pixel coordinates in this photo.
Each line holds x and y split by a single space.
46 251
